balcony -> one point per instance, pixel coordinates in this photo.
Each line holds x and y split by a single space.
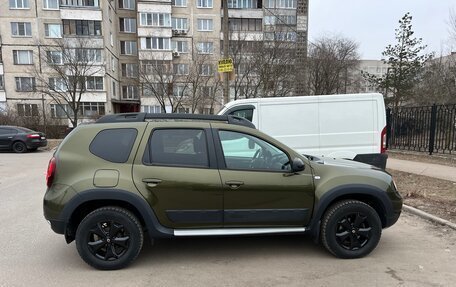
80 4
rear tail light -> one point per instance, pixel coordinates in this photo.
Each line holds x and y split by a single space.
50 172
383 141
34 136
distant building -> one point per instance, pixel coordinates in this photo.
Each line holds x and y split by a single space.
129 33
359 84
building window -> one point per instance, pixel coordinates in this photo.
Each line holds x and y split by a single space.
54 57
53 30
179 3
180 46
127 4
27 110
114 90
156 19
245 24
84 55
205 25
19 4
2 85
156 43
25 84
129 70
269 3
151 109
205 47
181 69
179 23
179 91
80 3
156 67
22 57
130 92
21 29
128 25
82 27
245 4
205 4
205 70
290 4
128 48
89 109
94 83
57 84
51 4
60 111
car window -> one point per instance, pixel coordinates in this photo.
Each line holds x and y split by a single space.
247 114
113 145
180 147
243 151
7 131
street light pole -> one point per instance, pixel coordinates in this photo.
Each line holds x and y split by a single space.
226 47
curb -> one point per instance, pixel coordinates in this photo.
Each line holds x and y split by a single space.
428 216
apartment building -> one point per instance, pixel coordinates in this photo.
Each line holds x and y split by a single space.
128 40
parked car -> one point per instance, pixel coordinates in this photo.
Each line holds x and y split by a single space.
19 139
171 175
351 126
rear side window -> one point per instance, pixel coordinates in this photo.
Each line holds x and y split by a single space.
247 114
113 145
178 147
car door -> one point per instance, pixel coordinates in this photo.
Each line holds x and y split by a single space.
6 137
176 171
259 187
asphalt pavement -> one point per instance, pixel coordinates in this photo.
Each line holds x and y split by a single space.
411 253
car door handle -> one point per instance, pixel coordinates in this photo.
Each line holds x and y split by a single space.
10 137
151 182
233 184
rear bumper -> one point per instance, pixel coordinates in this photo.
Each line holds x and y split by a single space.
375 159
36 143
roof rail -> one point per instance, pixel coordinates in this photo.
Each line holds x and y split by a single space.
141 117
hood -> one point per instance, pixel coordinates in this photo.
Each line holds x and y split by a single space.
329 161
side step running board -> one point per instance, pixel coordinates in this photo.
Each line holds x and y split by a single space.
236 231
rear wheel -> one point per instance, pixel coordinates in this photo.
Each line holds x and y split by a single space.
109 238
350 229
19 147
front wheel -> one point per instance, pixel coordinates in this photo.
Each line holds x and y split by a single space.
350 229
109 238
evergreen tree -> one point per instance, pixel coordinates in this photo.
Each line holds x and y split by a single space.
406 60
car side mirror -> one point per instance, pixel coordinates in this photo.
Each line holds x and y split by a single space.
297 165
251 144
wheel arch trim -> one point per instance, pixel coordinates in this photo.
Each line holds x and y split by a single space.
152 225
351 191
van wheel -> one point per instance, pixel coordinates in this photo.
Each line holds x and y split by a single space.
109 238
350 229
19 147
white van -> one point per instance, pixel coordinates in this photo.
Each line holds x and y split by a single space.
351 126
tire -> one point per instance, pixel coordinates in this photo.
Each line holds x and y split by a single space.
19 147
105 248
33 149
350 229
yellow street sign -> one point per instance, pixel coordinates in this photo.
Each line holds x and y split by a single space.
225 65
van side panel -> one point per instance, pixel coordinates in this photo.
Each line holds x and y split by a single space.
347 127
293 123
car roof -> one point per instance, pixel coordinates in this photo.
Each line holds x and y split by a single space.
17 128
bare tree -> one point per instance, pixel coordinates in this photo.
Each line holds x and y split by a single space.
331 61
158 79
68 74
452 25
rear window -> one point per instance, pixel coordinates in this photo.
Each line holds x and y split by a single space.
178 147
113 145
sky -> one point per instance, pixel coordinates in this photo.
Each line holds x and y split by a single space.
371 23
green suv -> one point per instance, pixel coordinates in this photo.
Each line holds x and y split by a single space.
165 175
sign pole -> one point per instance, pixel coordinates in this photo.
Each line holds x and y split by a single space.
226 83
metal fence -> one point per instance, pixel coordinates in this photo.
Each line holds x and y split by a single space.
426 129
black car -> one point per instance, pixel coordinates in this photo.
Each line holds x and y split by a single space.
21 139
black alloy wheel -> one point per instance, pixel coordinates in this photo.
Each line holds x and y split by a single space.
19 147
109 238
350 229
